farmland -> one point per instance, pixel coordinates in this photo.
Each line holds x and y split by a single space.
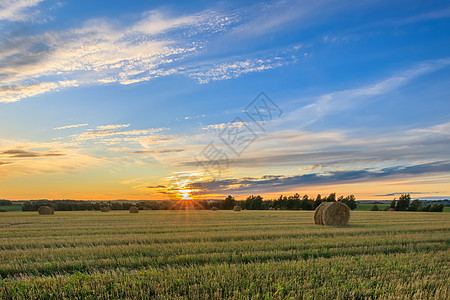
223 254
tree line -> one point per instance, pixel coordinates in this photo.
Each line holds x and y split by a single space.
80 205
4 202
404 203
293 202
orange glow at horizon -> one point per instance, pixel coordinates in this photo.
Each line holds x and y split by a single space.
180 187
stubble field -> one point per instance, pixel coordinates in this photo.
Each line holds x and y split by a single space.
223 254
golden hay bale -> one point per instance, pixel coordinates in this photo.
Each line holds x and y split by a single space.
391 209
46 210
336 214
105 209
332 214
214 208
318 213
134 210
271 208
237 208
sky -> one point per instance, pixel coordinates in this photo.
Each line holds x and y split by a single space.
104 100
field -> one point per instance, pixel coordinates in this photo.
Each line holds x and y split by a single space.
223 254
11 208
367 207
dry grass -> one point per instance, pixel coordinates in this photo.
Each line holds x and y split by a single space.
199 255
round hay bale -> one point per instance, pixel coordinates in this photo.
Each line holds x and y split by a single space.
105 209
134 210
46 210
271 208
318 213
336 214
214 208
391 209
278 208
237 208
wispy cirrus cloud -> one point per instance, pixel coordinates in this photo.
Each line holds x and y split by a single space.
334 102
71 126
236 68
108 133
100 52
20 90
17 10
111 127
104 52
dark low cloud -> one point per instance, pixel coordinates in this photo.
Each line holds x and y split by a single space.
270 183
157 151
156 187
17 153
286 159
404 193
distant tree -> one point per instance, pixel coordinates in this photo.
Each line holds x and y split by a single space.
306 203
426 207
117 206
403 202
126 205
254 202
349 200
415 205
437 207
375 208
228 203
293 202
331 197
281 202
106 205
318 201
4 202
393 203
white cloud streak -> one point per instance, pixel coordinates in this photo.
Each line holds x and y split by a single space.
70 126
16 10
102 52
342 100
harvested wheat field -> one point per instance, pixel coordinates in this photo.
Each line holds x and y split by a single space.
196 254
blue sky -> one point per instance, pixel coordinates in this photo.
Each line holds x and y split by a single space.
109 100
